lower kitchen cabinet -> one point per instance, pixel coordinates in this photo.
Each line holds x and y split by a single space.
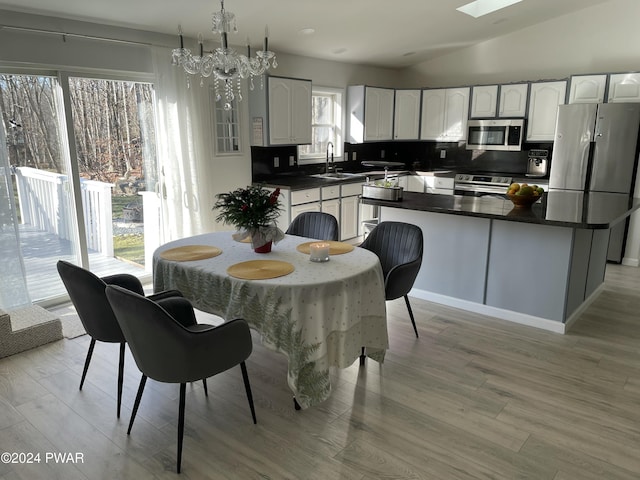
415 183
331 207
349 217
305 207
350 210
340 200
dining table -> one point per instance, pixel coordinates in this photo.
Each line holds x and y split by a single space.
319 314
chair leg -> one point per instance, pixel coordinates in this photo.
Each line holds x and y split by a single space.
247 387
120 376
204 384
87 361
183 391
136 404
413 322
363 357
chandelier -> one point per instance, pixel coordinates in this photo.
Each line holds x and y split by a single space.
226 65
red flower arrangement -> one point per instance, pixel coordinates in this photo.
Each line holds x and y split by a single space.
248 208
252 210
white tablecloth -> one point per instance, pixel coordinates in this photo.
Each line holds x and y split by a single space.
319 316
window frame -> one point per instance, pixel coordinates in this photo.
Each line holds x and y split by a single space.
338 95
216 107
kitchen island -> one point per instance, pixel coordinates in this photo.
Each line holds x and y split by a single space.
540 266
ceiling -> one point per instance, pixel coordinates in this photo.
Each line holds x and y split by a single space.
371 32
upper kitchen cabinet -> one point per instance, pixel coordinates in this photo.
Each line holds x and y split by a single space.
513 100
370 111
484 100
587 88
286 106
445 112
624 87
543 110
407 115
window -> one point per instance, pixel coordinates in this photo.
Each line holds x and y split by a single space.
326 125
227 126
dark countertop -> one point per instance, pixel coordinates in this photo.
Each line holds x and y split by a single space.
563 208
303 181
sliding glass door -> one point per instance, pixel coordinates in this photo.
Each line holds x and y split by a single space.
114 136
79 152
43 211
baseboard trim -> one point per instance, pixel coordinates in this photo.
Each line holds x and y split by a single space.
631 262
508 315
581 309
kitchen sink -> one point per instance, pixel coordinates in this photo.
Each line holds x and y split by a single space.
333 175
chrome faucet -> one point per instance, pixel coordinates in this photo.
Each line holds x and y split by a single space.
328 167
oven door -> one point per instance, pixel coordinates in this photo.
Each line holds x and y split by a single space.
475 190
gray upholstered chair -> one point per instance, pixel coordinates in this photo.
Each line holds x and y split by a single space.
317 225
87 293
399 247
167 351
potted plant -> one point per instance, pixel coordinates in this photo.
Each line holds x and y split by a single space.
253 211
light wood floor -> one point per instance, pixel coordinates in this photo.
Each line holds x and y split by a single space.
473 398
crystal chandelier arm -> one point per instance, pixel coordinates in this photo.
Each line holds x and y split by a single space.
266 38
225 64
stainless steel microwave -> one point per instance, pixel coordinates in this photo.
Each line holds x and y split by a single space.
495 134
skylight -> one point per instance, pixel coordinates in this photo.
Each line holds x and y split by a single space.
478 8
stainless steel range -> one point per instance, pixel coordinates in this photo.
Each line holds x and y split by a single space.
478 184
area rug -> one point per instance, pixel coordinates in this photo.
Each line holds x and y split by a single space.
71 324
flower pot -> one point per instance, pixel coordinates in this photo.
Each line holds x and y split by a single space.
259 241
266 248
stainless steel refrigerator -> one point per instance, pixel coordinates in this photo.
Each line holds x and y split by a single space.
595 150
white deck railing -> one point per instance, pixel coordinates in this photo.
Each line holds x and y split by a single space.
45 203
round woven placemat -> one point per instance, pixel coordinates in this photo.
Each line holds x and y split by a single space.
188 253
335 248
260 269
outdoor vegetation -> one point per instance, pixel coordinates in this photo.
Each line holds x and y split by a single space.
111 119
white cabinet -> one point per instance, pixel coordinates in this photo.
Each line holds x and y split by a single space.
432 114
624 87
415 183
484 101
445 113
331 201
349 210
439 185
289 111
305 207
407 115
369 113
513 100
543 110
430 184
281 113
303 201
378 114
587 88
331 207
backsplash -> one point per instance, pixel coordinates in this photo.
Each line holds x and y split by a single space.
418 155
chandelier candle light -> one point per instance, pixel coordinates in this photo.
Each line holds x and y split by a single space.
226 65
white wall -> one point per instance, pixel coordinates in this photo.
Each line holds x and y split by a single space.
603 38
